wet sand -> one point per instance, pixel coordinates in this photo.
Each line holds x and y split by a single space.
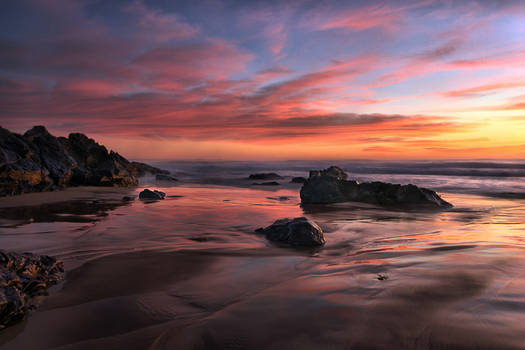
83 193
189 273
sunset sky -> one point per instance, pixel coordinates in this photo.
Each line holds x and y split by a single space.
270 80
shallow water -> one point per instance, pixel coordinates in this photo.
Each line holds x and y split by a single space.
189 273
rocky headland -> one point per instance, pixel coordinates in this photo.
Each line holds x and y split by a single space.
38 161
332 186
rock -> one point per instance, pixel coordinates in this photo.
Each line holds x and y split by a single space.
332 171
265 176
295 232
128 198
298 180
23 277
280 198
165 177
331 186
138 169
151 195
38 161
271 183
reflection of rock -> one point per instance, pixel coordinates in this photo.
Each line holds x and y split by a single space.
23 277
67 211
151 195
165 177
298 180
265 176
331 186
38 161
296 232
270 183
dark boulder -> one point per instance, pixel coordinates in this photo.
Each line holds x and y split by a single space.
128 198
165 177
38 161
295 232
24 277
270 183
298 180
332 171
265 176
151 195
331 186
280 198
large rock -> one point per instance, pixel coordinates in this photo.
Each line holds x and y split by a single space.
331 186
24 277
296 232
151 195
38 161
265 176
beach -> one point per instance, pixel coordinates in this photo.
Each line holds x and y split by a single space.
189 272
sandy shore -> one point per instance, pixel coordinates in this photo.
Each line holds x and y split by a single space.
68 194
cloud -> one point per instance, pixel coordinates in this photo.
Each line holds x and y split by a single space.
482 89
158 26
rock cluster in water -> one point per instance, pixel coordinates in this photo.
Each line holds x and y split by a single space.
295 232
265 176
332 186
147 194
24 277
38 161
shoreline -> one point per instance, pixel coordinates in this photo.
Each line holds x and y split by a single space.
67 194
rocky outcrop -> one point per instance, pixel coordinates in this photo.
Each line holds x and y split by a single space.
295 232
138 169
151 195
165 178
332 186
23 278
38 161
265 176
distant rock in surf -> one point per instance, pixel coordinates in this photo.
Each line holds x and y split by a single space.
331 186
270 183
128 198
295 232
24 277
280 198
265 176
151 195
298 180
165 177
38 161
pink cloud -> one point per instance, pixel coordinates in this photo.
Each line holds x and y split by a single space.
158 26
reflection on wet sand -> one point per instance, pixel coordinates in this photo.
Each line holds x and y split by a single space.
188 273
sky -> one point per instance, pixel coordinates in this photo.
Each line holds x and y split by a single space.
248 80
